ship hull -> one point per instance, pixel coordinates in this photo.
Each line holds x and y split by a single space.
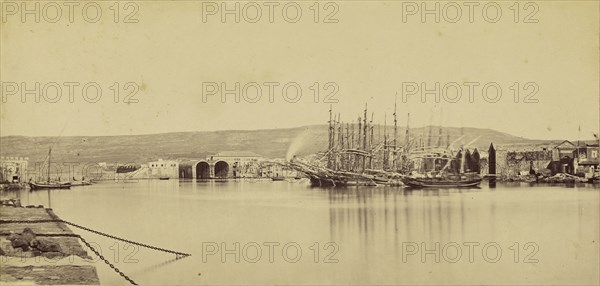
38 186
432 183
80 183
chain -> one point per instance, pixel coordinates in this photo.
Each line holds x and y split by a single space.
108 262
47 234
177 253
3 221
58 220
71 235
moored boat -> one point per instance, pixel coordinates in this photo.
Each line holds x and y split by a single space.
80 183
38 186
49 184
441 182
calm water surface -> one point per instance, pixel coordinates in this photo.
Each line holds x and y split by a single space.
546 234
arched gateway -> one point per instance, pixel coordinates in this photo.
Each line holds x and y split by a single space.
202 170
221 169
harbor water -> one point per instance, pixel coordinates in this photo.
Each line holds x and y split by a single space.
285 232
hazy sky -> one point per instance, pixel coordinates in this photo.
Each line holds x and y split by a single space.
368 55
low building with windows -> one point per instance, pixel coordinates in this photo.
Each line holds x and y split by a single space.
163 169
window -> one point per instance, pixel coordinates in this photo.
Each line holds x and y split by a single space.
594 153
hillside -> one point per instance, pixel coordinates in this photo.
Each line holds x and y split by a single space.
273 143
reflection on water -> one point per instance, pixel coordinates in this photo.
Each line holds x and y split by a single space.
383 235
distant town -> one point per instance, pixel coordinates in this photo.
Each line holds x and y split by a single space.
577 159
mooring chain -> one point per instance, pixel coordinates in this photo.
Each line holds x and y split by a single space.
29 221
68 235
127 240
177 253
47 234
108 262
58 220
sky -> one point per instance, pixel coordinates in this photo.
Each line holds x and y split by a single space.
379 52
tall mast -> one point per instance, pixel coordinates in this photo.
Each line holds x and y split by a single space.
348 142
364 160
385 147
430 130
340 144
358 143
371 142
407 135
394 144
330 139
439 141
49 154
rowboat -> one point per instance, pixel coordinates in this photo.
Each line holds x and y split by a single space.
441 182
80 183
39 186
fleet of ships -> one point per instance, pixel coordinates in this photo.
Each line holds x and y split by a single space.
355 157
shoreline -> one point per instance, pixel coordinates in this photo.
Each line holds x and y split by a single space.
46 253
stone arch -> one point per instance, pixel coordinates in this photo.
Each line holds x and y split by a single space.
221 169
202 170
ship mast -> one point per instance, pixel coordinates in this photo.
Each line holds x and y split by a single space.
338 158
371 141
385 144
49 154
358 144
364 159
348 146
394 144
330 139
407 139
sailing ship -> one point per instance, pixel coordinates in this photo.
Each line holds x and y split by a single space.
363 160
352 158
49 184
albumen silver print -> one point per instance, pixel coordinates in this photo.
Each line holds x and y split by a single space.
299 142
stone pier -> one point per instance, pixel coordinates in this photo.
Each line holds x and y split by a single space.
41 253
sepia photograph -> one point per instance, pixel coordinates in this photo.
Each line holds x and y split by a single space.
299 142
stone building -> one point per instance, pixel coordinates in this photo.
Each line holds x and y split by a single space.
13 169
225 164
163 169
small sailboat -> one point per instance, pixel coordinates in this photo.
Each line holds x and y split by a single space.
48 184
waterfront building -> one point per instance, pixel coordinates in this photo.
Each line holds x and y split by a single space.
163 169
13 169
587 160
225 164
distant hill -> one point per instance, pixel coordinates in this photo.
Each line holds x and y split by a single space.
272 143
